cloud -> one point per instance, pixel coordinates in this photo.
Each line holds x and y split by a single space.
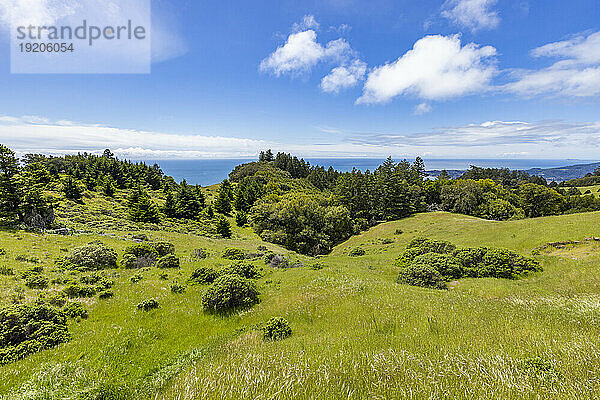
545 139
575 74
437 67
308 22
36 134
472 14
301 52
422 108
557 136
344 77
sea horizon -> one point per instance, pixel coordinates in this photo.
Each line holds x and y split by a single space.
210 171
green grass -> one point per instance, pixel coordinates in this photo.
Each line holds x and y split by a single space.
356 333
593 189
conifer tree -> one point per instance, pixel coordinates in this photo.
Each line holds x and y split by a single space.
71 189
141 207
223 201
223 227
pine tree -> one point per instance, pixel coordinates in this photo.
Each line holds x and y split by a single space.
223 201
108 187
241 218
141 207
71 189
9 184
169 208
223 227
187 204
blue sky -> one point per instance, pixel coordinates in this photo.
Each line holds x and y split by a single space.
448 79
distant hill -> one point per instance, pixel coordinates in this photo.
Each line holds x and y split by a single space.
558 174
564 173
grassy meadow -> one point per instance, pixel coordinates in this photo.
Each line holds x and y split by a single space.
356 332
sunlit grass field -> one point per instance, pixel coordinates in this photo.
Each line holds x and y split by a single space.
356 333
593 189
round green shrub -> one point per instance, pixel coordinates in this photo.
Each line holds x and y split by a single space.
142 250
357 252
74 310
6 271
199 254
204 275
432 246
36 281
229 292
106 294
29 328
423 276
90 257
163 248
75 290
128 261
243 269
276 328
445 264
148 305
168 261
177 288
136 278
232 253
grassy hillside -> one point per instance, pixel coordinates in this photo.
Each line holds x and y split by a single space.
356 333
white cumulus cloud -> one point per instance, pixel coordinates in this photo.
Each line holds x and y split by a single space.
437 67
576 73
472 14
301 52
343 77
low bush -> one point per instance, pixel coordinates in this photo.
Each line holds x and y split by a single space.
36 281
29 259
452 263
279 261
431 246
136 278
357 252
423 276
204 275
243 269
448 267
6 271
75 290
232 253
29 328
177 288
90 257
128 261
148 305
2 251
199 254
229 292
57 299
74 310
142 250
163 248
168 261
276 328
316 265
106 294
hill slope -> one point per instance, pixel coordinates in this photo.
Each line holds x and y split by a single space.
356 333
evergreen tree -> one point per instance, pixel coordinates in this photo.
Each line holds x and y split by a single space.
187 204
108 187
170 208
241 218
141 207
9 184
223 227
71 189
222 203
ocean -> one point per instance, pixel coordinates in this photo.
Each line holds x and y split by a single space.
210 171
